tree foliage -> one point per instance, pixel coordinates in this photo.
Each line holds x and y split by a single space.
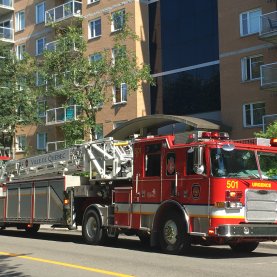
271 131
69 74
65 73
18 93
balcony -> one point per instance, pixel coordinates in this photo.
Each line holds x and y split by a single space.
269 76
62 115
268 27
6 6
268 119
53 45
6 35
64 13
55 145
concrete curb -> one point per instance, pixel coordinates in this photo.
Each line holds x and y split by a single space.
269 245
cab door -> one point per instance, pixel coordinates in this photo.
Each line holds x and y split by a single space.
197 191
147 180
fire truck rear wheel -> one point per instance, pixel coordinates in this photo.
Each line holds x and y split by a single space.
92 231
173 237
244 247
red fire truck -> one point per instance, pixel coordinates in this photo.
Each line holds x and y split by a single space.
171 191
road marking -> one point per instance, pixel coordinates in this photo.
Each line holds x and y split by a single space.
105 272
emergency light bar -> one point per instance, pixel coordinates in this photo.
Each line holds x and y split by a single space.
199 135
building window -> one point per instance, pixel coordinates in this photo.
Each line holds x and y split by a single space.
95 28
250 22
40 43
98 131
93 1
250 67
21 143
39 80
41 141
20 21
117 124
118 20
40 11
120 94
95 57
117 53
253 114
20 50
42 108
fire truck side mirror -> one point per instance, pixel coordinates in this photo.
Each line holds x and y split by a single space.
198 167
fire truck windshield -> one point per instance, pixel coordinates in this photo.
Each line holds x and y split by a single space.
243 164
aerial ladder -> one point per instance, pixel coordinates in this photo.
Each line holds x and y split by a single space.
100 159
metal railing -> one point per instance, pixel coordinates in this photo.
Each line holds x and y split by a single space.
268 119
62 114
55 145
268 23
69 9
6 3
6 33
53 45
269 75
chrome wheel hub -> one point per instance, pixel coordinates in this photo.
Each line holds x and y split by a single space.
91 227
170 232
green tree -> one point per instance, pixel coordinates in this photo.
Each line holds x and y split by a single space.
87 84
271 131
18 94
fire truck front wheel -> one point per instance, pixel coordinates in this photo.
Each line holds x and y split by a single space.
92 231
244 247
173 237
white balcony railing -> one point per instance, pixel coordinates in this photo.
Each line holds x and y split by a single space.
6 3
269 76
61 115
62 12
268 26
6 34
268 119
6 6
52 46
55 145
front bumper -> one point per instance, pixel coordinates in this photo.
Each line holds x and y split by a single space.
247 230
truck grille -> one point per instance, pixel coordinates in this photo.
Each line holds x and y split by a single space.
261 206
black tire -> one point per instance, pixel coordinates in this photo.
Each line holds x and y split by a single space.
244 247
92 231
144 239
173 237
32 230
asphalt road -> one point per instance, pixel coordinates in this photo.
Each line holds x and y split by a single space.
53 253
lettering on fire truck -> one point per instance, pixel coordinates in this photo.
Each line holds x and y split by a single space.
261 185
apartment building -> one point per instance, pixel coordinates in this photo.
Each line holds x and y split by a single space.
248 64
27 26
212 59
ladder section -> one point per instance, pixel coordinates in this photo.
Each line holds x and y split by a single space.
110 159
100 159
66 161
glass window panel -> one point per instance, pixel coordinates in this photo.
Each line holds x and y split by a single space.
40 10
244 24
254 21
124 92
